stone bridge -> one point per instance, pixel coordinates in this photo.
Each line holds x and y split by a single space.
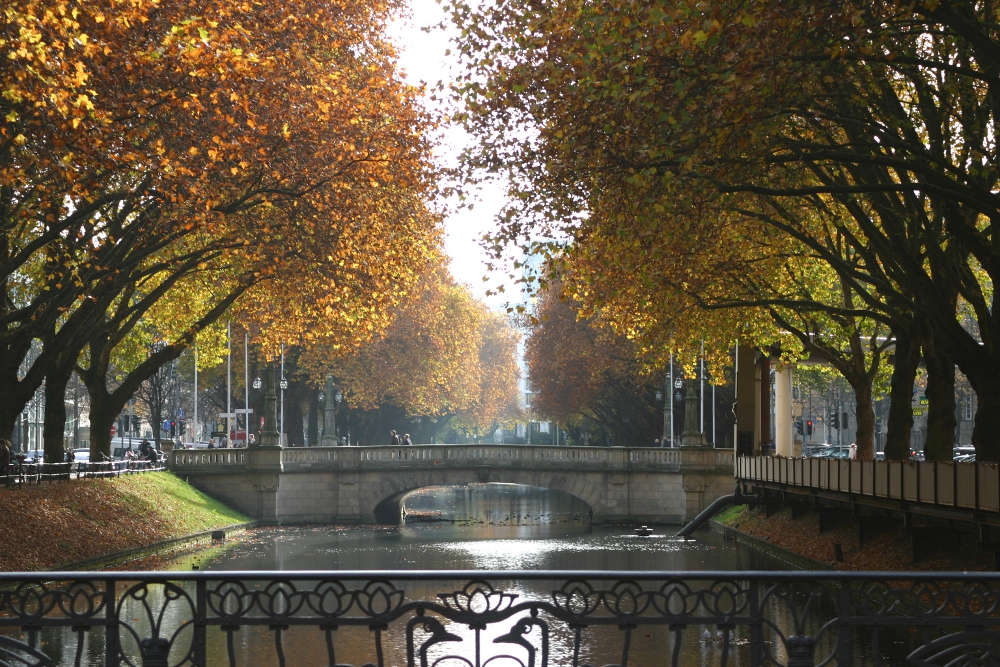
366 484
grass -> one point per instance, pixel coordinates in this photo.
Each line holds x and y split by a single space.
188 509
47 525
730 515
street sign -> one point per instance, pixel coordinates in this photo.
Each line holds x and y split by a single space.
244 411
180 413
223 415
113 430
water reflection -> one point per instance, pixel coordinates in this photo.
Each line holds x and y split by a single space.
494 504
481 527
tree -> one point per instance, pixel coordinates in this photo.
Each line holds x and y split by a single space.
160 141
581 371
445 359
880 110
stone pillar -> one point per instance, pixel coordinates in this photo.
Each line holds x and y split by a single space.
746 400
329 438
692 436
269 436
783 425
764 405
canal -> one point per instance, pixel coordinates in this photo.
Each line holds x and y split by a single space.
479 527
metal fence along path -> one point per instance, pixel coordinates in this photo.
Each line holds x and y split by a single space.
474 618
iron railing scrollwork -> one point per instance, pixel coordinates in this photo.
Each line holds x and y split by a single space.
529 619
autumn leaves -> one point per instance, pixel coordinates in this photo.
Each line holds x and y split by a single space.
818 175
166 165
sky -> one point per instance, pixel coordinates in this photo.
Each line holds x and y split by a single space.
422 59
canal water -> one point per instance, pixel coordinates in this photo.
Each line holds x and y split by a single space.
480 527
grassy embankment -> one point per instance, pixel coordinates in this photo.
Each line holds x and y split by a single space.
889 551
53 524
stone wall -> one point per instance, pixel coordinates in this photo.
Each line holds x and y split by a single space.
340 485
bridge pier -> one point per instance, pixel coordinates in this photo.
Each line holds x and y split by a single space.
354 484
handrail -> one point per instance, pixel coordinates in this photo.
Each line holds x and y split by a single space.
144 617
944 484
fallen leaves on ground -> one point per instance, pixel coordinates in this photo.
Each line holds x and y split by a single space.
47 525
889 551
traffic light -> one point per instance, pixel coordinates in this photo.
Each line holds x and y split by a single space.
173 428
798 427
836 421
843 420
809 427
181 424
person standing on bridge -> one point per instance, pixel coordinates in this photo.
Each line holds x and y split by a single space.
407 441
393 439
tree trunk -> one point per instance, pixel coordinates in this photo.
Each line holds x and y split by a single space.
941 396
865 413
102 417
293 420
314 418
54 427
986 431
897 441
157 413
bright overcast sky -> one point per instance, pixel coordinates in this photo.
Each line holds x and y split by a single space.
422 58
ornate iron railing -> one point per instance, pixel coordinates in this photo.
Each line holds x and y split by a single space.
471 618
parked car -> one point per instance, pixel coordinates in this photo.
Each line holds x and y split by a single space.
963 453
816 451
81 456
34 456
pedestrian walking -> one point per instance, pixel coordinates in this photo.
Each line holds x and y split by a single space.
656 442
407 441
393 439
343 441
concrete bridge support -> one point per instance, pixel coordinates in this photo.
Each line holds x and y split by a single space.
366 484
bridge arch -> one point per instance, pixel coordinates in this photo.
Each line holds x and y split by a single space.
381 498
390 509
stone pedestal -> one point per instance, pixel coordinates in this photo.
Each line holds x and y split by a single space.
692 435
329 438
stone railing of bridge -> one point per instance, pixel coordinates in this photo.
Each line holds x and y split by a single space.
453 456
323 484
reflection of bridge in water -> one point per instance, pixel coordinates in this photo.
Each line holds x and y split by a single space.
366 484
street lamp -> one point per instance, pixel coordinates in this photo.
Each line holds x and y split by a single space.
321 397
283 384
659 395
257 383
339 397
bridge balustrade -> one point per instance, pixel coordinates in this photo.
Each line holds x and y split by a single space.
950 484
212 457
526 456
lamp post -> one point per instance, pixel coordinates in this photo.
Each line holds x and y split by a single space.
257 384
284 386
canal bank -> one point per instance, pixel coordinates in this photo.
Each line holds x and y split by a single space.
93 523
798 540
